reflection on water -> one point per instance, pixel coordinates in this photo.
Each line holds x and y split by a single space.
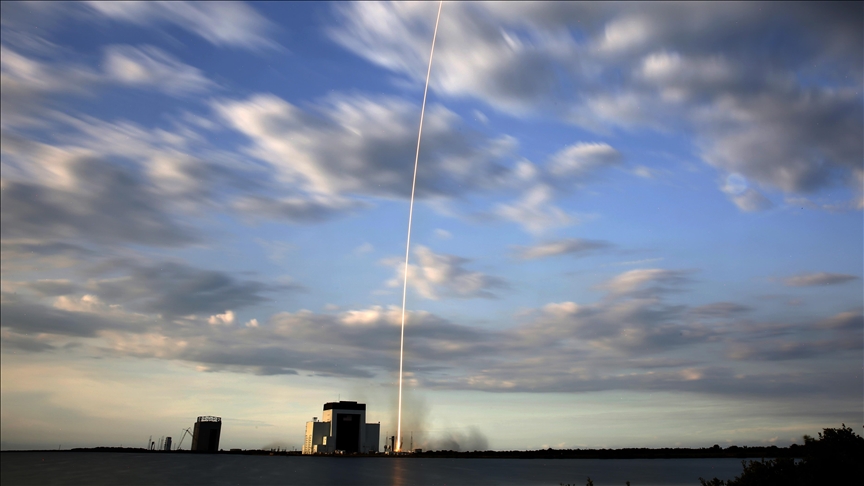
88 468
398 466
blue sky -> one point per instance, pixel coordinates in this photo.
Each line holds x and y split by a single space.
636 224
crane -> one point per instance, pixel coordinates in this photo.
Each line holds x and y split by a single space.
185 431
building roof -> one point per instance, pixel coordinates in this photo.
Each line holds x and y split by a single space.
342 405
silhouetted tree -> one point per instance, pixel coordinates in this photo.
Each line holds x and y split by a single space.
833 458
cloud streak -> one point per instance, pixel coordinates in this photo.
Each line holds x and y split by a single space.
819 278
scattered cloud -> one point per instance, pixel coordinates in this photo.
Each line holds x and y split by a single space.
438 276
231 24
153 68
581 159
534 211
746 198
852 320
443 234
226 319
640 280
311 209
819 278
93 200
358 145
787 117
720 310
364 248
177 289
568 246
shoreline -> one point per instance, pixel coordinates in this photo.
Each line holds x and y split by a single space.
731 452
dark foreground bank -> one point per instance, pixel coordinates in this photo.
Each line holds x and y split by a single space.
107 468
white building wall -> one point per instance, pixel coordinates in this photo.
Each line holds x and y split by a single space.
316 436
372 438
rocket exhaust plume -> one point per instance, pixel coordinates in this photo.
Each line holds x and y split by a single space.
408 239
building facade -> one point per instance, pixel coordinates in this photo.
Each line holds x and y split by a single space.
205 437
342 429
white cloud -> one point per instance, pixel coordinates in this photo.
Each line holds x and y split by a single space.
87 303
231 24
580 159
535 211
150 67
443 234
508 70
568 246
751 200
438 276
633 280
225 319
26 83
364 248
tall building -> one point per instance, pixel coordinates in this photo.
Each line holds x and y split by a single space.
205 437
342 428
167 443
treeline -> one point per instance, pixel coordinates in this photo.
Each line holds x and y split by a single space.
835 457
742 452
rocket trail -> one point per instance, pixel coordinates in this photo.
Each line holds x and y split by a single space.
408 239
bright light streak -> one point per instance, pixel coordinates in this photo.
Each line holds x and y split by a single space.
408 239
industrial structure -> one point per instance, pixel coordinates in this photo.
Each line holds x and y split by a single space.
205 437
342 429
167 443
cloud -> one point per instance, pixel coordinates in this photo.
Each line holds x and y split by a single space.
640 279
94 200
153 68
78 318
311 209
746 198
26 86
176 289
851 320
443 234
507 70
53 287
364 248
25 343
568 246
720 310
787 117
226 319
580 159
361 146
535 211
639 343
439 275
820 278
231 24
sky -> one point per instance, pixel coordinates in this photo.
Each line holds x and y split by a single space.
636 224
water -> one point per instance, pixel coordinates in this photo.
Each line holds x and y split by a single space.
105 468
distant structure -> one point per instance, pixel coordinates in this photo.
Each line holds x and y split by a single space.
342 429
205 437
167 443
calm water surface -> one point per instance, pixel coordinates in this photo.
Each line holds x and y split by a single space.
74 468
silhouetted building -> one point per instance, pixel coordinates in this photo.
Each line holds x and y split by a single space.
342 428
167 443
205 437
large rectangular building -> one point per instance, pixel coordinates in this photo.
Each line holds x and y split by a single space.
205 438
342 429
